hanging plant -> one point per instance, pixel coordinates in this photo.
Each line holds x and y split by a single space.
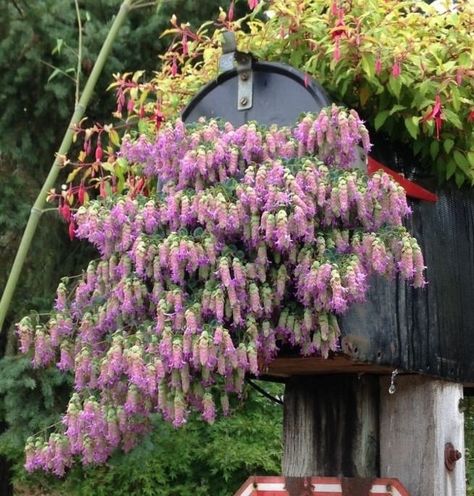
255 238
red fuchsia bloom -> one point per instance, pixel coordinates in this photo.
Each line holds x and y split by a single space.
230 13
396 68
470 117
378 65
340 27
337 50
435 114
174 67
81 193
99 152
253 4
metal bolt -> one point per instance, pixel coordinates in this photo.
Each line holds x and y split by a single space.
244 100
244 76
451 456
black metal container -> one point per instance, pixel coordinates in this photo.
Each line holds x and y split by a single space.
430 330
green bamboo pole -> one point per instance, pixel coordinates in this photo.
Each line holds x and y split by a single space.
39 204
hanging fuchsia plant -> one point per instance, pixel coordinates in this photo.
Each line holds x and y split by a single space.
256 238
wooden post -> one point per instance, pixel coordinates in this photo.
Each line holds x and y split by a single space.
416 422
331 426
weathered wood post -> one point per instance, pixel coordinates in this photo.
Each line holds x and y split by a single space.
331 426
422 435
387 405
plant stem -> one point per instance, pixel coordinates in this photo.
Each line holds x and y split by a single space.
37 208
79 52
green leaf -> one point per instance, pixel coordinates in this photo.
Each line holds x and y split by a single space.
59 45
364 94
455 98
461 160
465 59
380 118
397 108
453 118
395 86
470 157
72 174
417 147
55 73
448 145
459 178
114 137
368 64
411 123
143 126
108 167
450 169
434 149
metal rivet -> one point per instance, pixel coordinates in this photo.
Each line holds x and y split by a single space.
244 76
244 100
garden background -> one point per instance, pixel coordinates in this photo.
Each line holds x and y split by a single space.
38 58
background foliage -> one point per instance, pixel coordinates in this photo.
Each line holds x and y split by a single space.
406 67
37 38
196 459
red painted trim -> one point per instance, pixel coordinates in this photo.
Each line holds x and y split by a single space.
255 480
412 189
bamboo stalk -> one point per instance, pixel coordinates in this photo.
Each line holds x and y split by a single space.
37 208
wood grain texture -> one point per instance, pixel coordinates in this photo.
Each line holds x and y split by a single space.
415 424
287 366
430 330
331 426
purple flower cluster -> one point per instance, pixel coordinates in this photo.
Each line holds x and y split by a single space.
252 243
333 136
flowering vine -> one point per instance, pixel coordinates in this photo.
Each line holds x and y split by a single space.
256 238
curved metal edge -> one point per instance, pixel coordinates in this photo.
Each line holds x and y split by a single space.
308 83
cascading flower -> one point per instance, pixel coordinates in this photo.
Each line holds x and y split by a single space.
257 239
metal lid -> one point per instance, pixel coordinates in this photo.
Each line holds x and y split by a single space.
280 94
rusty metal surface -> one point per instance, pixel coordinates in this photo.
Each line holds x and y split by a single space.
356 486
451 456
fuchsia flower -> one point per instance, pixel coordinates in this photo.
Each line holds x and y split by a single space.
436 115
396 68
378 65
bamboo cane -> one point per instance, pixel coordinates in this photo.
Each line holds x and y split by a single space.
38 206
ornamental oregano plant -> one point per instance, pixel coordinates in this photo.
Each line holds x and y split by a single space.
244 240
